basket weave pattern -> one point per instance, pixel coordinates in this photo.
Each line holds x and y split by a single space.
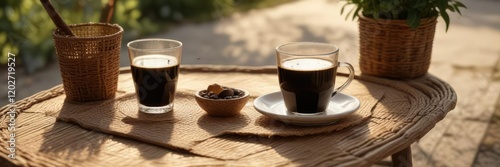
89 63
390 48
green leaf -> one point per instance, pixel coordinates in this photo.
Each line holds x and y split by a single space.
355 14
413 19
457 9
451 8
460 4
348 14
417 3
342 9
442 10
386 6
375 14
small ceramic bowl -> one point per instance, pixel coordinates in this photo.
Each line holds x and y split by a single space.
222 107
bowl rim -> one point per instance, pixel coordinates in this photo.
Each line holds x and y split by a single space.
197 94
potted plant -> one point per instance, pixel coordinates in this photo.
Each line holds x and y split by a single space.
396 36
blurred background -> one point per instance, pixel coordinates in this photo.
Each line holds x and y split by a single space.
245 33
26 30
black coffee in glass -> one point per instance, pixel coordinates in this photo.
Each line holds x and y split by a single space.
307 84
155 78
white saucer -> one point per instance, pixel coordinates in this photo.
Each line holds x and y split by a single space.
272 105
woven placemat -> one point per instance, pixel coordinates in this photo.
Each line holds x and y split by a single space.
188 124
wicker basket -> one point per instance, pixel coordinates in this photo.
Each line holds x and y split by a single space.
90 62
390 48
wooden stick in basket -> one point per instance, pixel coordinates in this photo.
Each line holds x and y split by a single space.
107 12
56 18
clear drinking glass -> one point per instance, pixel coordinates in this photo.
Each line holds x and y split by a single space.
307 73
155 70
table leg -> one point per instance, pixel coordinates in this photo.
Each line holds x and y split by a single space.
402 158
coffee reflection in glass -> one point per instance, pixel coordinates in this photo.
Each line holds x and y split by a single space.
155 71
307 73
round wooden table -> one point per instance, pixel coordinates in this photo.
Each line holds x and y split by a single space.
53 132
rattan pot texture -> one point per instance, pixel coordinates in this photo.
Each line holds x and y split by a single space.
89 63
391 48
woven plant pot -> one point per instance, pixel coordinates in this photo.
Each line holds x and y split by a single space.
89 62
391 48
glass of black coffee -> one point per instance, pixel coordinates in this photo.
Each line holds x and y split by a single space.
155 69
307 73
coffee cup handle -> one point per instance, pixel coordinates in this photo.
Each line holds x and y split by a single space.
349 79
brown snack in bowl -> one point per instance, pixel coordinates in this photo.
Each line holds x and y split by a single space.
216 91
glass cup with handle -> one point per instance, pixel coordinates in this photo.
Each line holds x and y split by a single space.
155 71
307 73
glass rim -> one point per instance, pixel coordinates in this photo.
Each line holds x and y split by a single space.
154 39
335 48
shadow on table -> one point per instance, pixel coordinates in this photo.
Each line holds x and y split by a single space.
149 128
160 130
401 99
64 140
309 150
218 125
317 150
